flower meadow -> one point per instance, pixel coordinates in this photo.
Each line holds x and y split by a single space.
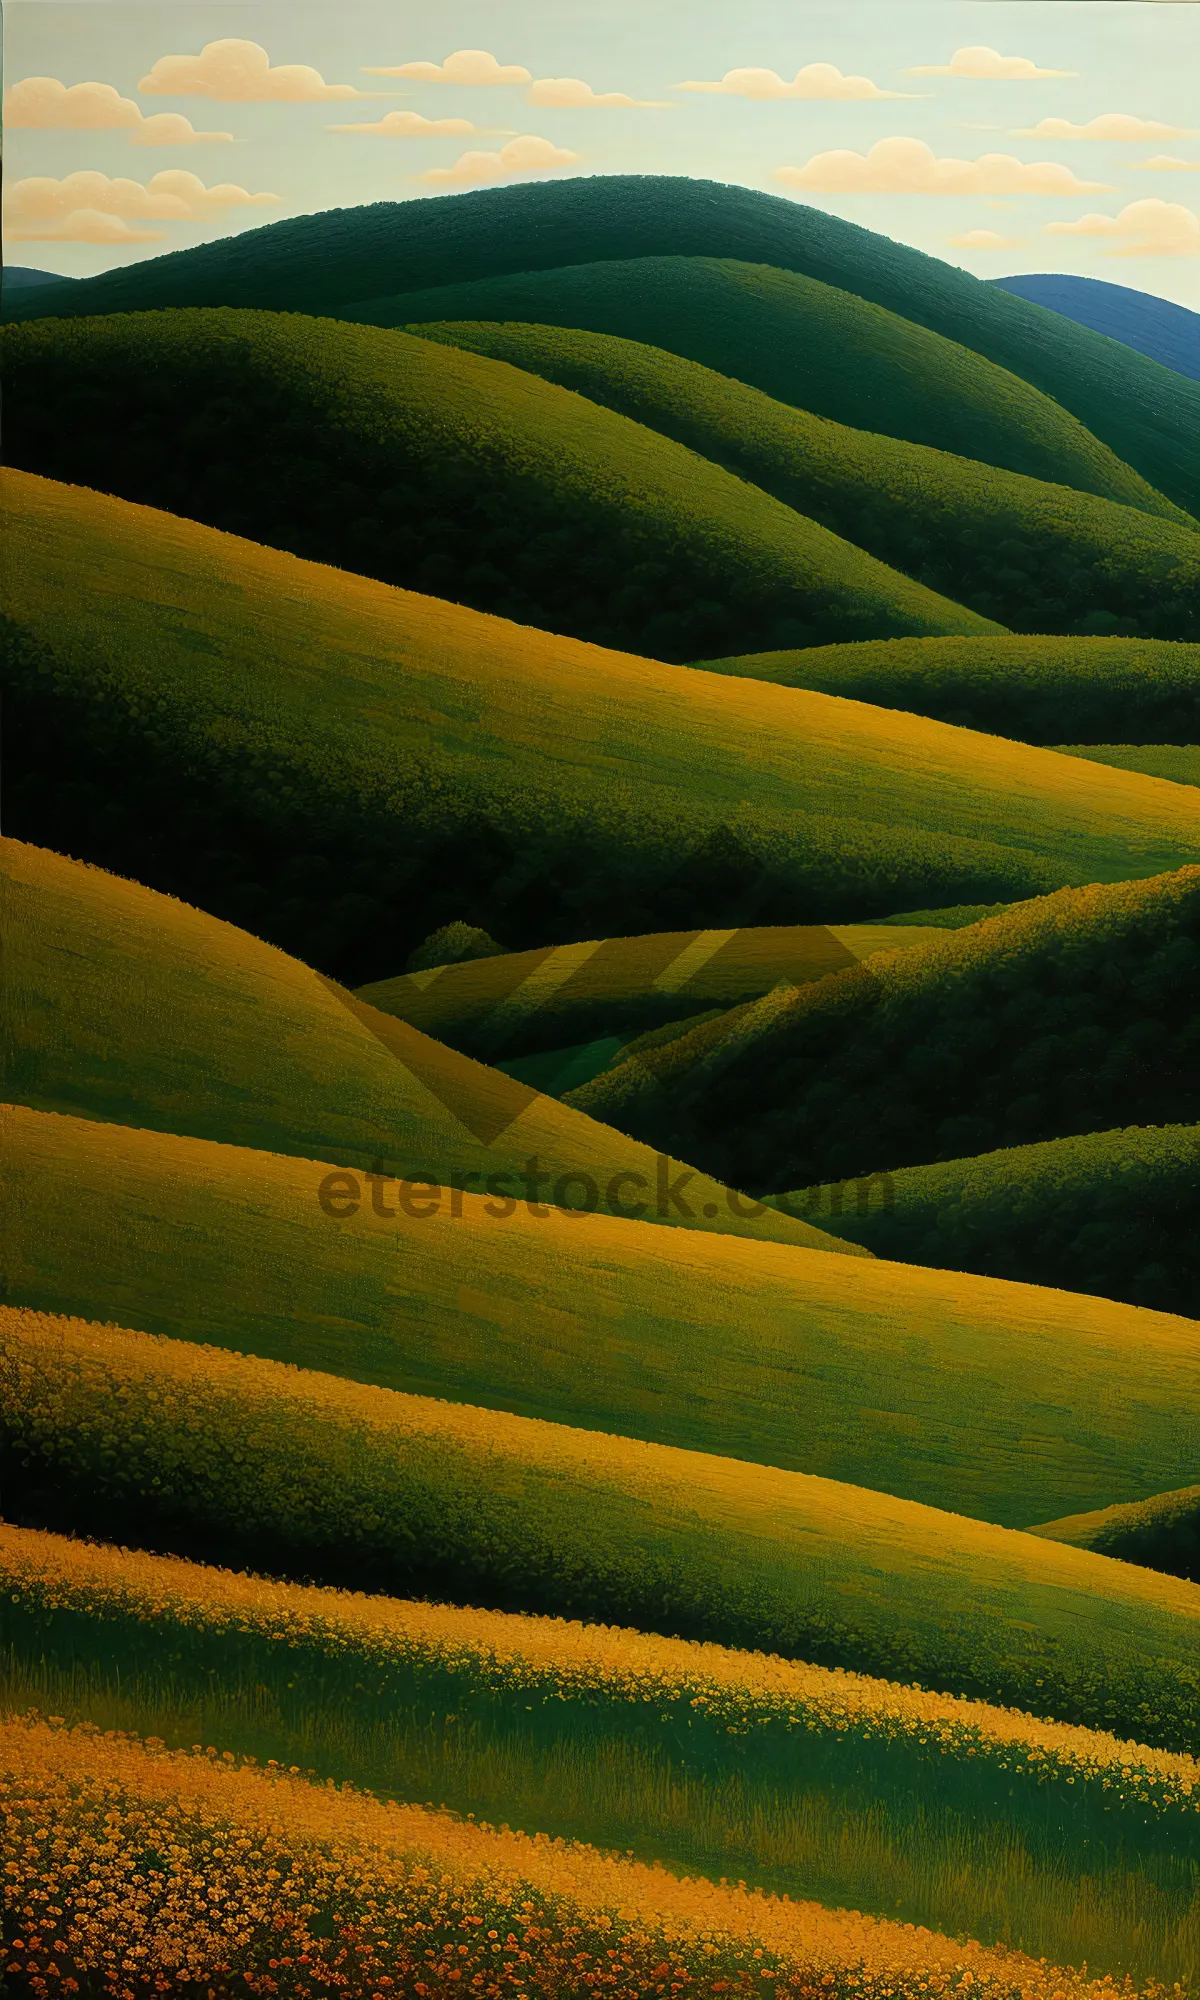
135 1870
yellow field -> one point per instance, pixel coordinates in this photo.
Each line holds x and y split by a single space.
768 1352
286 1470
412 706
567 993
270 1873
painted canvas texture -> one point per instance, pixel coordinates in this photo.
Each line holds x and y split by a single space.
600 922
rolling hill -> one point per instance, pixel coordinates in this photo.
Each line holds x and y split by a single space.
126 1006
1178 762
525 1001
1106 1212
290 1471
1162 1533
1037 689
326 262
801 1780
768 1352
341 766
806 344
1037 557
1166 332
423 465
1054 1018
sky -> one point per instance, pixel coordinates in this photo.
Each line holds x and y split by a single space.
1002 135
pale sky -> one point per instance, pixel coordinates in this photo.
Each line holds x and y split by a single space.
1123 197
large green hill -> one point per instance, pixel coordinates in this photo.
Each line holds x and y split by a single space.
1057 1017
994 1400
341 766
126 1006
325 262
445 471
250 1464
806 344
1107 1212
1038 557
1038 689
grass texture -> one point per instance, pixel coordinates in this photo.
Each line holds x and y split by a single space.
321 263
1060 1016
801 1780
1106 1212
1180 762
821 348
343 766
239 1461
449 472
125 1005
330 1887
528 1001
770 1352
1037 689
1162 1533
1037 557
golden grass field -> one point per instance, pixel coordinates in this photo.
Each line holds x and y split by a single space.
531 1000
404 703
768 1352
308 1880
814 1782
129 1006
246 1462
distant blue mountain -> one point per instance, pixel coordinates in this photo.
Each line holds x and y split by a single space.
22 277
1168 333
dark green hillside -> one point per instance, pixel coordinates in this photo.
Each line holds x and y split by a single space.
325 262
1114 1213
1039 558
342 767
443 471
1178 762
1162 1533
807 344
1038 689
1058 1017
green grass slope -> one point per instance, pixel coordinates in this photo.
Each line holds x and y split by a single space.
527 1001
771 1352
342 766
1038 689
1054 1018
237 1460
124 1005
1039 558
445 471
1162 1533
1178 762
321 263
1106 1212
821 349
801 1780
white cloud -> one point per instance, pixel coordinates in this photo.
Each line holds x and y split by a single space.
411 125
989 66
1110 125
814 80
569 94
468 66
43 103
1164 163
1143 229
41 210
235 72
909 166
983 239
524 155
